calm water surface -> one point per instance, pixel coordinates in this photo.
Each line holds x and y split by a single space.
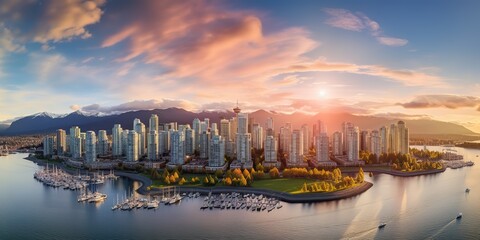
421 207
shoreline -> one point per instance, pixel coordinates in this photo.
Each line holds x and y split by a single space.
396 173
286 197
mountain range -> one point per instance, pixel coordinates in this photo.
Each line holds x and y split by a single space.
43 123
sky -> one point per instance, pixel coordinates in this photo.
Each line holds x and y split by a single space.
401 59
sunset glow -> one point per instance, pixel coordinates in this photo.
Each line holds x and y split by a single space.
112 56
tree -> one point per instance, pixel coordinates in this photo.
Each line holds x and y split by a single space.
166 180
259 167
182 181
165 173
274 173
360 176
227 181
172 179
219 173
175 174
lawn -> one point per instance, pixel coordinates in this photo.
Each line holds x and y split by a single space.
290 185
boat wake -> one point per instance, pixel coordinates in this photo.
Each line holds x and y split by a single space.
442 229
361 234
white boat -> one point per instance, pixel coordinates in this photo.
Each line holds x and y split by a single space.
460 215
97 197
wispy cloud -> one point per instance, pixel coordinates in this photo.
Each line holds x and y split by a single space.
64 20
345 19
445 101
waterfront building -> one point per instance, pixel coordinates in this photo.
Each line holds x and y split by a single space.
217 152
233 129
204 144
403 138
384 133
243 140
117 140
83 137
139 128
375 143
393 139
132 145
177 152
285 138
196 128
153 123
102 143
346 127
257 136
353 143
75 142
337 143
270 152
125 141
225 129
61 142
90 147
364 141
189 140
296 148
48 145
163 142
152 152
306 138
321 147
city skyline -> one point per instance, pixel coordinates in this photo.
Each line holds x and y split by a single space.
366 59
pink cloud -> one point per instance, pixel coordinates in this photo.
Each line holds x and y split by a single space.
344 19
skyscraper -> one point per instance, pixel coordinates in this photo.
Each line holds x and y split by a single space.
321 147
384 133
337 143
353 143
177 144
345 128
153 123
364 141
270 150
61 141
152 152
306 138
163 142
102 143
90 147
257 136
132 145
75 142
243 140
403 138
217 152
189 140
225 129
204 144
117 140
296 148
48 145
139 128
375 143
393 139
196 129
125 141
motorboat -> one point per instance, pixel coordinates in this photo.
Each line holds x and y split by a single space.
382 225
467 190
460 215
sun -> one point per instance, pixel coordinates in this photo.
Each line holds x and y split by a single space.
322 93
